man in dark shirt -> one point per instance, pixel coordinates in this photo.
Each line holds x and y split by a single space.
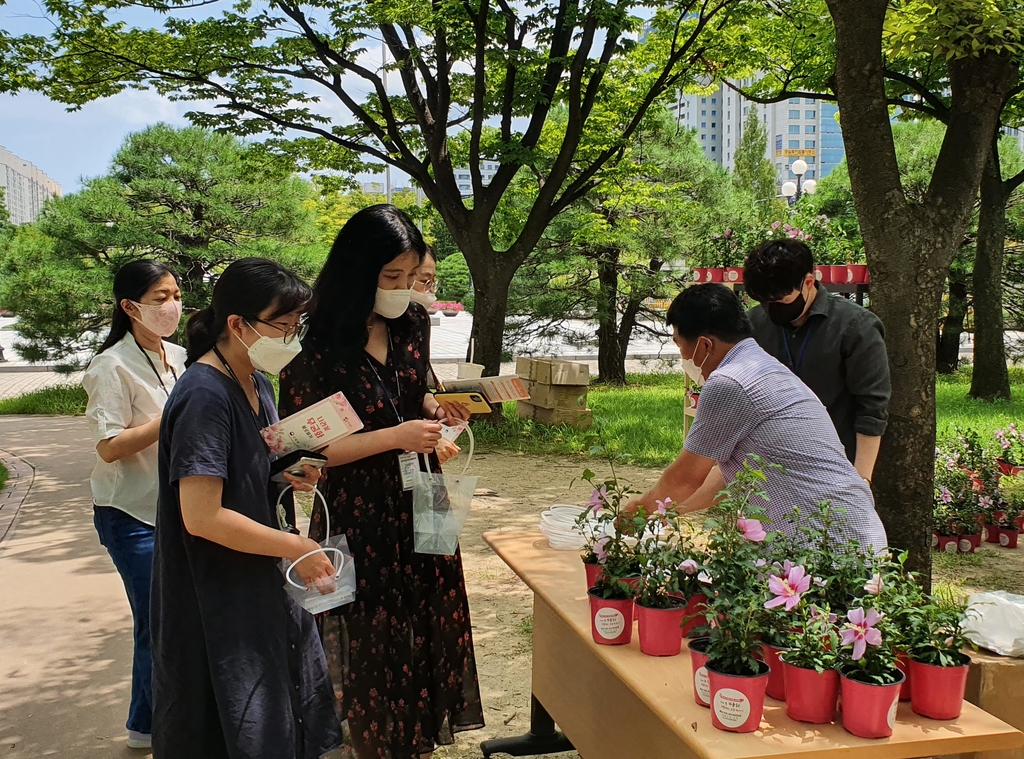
835 346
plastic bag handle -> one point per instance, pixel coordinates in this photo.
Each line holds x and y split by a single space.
325 551
335 576
469 458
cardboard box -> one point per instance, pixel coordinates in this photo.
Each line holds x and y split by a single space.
556 396
580 418
553 371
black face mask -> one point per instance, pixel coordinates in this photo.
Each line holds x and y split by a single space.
784 314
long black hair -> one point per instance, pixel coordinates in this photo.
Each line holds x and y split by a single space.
132 282
345 291
247 288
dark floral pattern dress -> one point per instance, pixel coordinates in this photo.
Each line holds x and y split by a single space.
401 655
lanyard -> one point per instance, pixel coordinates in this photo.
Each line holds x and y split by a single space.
231 373
384 387
158 377
803 348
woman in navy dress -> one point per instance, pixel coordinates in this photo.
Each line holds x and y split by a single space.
401 655
238 669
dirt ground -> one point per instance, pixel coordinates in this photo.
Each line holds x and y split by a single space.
512 492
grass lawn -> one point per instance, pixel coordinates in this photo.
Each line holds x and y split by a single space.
3 475
644 419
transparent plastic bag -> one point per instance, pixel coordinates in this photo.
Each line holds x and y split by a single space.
337 550
996 622
440 505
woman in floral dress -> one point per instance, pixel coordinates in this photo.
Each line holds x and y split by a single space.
401 655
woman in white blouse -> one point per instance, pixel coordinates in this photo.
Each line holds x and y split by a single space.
128 383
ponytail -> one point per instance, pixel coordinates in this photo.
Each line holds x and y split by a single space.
202 333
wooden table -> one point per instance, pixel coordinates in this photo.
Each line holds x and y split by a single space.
613 702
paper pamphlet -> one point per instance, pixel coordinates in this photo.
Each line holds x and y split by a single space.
312 428
494 389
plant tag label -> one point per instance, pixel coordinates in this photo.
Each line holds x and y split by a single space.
609 623
1004 539
731 707
965 545
891 719
702 685
951 547
409 465
935 540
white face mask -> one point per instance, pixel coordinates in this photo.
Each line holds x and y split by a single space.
424 299
161 320
392 303
271 354
694 372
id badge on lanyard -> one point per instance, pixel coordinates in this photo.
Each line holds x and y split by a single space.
408 462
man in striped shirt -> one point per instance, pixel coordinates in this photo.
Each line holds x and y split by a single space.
752 404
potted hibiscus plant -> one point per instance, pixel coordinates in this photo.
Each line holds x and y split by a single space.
869 678
938 665
737 679
661 608
809 665
1012 488
693 585
599 524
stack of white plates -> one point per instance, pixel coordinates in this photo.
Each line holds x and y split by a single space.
559 526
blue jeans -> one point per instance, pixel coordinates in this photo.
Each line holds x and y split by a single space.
130 544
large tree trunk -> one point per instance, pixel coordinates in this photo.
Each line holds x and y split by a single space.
948 358
490 302
910 248
611 355
991 378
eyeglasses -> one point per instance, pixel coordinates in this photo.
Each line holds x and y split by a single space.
290 333
430 286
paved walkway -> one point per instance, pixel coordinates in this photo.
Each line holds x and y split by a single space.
65 625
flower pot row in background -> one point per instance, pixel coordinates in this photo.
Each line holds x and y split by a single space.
803 618
979 491
842 274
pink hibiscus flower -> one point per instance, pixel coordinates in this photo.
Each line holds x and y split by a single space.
789 589
751 529
597 500
860 631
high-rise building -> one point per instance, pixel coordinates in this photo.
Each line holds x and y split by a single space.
488 168
797 128
26 187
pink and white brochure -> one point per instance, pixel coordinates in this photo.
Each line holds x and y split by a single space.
312 428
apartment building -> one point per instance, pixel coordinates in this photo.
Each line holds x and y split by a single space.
26 187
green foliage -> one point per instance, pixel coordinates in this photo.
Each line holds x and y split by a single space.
453 281
937 636
5 217
754 173
193 199
4 474
53 401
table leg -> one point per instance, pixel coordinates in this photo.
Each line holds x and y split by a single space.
542 738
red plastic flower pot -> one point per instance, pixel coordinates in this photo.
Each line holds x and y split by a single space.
593 572
869 710
1004 468
841 275
970 543
1008 537
1020 524
696 605
660 630
948 544
811 696
611 620
715 275
776 679
698 661
737 701
991 534
700 274
903 665
733 274
858 273
823 274
938 691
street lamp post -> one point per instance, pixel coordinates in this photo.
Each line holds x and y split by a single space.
794 190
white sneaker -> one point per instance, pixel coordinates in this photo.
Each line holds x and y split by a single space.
139 740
